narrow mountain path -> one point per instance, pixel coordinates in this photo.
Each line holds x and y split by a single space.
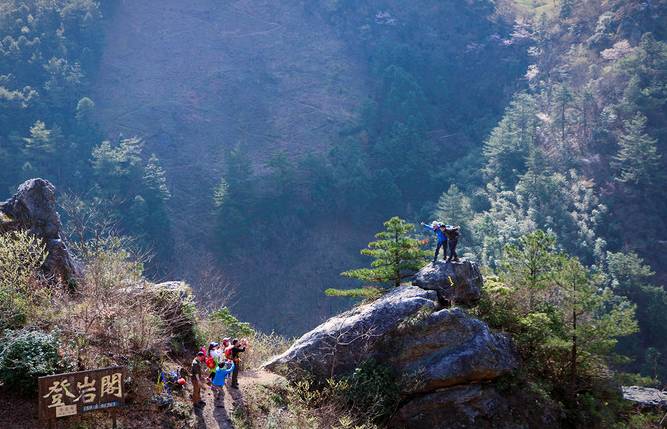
218 414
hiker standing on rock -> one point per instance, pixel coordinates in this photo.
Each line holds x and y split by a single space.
235 349
439 230
197 370
452 233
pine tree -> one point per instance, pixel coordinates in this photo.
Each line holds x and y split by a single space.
506 149
594 318
637 161
396 254
565 9
44 151
155 179
40 140
220 193
563 98
629 276
530 264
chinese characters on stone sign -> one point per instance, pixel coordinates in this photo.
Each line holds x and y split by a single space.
78 392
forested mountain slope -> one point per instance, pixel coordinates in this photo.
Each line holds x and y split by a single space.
301 116
261 144
196 80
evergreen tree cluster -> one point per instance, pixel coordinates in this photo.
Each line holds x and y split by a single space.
48 53
580 153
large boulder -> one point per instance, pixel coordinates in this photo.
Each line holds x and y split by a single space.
480 406
645 397
406 330
452 408
33 208
338 345
447 348
454 282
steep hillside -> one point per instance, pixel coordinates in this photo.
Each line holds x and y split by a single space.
195 80
303 79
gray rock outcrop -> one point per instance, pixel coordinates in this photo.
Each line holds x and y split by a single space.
445 359
459 282
645 397
447 348
338 345
429 347
33 208
479 406
456 407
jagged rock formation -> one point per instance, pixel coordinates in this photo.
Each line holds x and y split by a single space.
443 357
33 208
645 397
479 406
338 345
407 330
459 283
174 302
446 348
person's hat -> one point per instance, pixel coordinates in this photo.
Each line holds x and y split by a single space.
200 353
213 344
435 224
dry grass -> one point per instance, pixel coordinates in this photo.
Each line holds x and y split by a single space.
264 346
298 405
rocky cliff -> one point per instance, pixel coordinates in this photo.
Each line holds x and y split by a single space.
445 359
33 208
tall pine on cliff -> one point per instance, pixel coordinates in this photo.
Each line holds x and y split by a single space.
396 256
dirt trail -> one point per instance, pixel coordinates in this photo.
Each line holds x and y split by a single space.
217 414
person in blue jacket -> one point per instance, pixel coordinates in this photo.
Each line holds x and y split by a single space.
439 229
221 374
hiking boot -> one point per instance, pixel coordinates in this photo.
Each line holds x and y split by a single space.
234 386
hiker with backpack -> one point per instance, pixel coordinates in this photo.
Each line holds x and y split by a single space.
197 371
223 371
438 228
452 233
213 357
233 351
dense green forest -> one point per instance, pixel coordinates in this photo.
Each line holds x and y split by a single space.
49 51
499 117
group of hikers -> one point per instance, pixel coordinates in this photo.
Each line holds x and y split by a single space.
213 365
447 237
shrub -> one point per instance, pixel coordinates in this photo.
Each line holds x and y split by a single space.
112 318
27 355
264 346
21 255
230 325
372 391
